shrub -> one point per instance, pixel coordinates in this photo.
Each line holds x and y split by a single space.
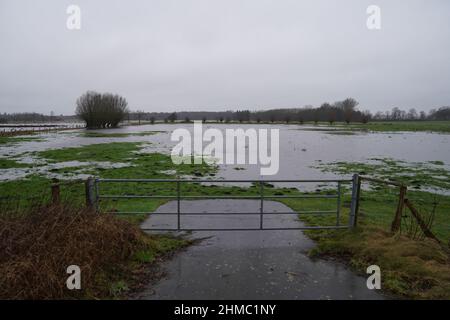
38 246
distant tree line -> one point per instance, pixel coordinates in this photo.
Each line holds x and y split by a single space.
30 117
442 113
340 111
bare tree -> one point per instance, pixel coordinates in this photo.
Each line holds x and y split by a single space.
287 118
396 114
331 116
101 110
365 116
423 115
242 115
139 116
316 116
348 106
412 114
172 117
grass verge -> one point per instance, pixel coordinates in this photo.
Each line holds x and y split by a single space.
417 269
409 268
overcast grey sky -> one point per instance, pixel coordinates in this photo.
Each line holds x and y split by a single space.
165 55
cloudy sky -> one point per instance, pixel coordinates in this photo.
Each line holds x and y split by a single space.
165 55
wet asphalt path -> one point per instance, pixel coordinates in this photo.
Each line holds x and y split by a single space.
248 264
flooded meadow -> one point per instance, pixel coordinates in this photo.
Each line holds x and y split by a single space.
306 152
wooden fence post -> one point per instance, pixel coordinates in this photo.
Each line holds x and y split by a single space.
354 202
89 190
395 226
55 191
358 196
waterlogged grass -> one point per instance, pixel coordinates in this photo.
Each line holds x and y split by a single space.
377 208
7 141
140 165
396 126
331 129
378 202
376 126
10 163
417 175
96 134
112 152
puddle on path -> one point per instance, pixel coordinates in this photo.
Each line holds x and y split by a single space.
248 264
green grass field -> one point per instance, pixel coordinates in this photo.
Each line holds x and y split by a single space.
396 126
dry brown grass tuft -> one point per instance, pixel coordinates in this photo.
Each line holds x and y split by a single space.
37 247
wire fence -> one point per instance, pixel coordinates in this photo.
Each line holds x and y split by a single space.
368 201
413 213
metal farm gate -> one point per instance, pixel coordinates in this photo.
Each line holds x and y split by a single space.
94 196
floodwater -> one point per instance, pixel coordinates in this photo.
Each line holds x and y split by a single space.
301 148
262 264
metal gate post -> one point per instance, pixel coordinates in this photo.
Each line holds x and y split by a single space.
354 202
178 205
261 207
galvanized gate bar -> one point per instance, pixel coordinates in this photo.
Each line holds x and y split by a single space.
223 213
219 197
261 196
219 180
248 229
